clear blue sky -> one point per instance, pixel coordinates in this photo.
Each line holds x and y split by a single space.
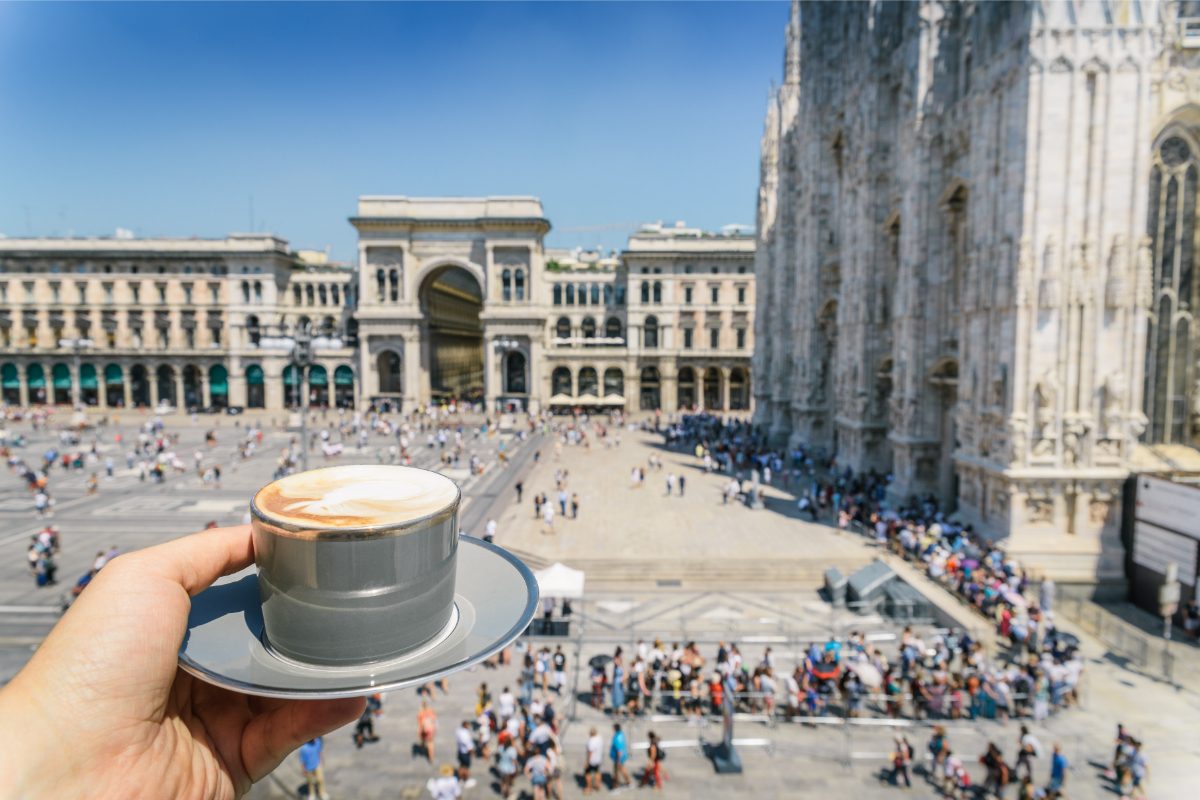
167 119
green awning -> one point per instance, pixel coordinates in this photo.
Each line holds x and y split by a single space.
218 380
35 376
343 376
87 377
113 375
9 377
317 376
254 375
62 376
289 376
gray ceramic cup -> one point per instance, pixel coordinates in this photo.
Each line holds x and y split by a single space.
356 564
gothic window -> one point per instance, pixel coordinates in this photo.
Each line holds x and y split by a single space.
595 294
334 295
246 292
394 283
562 328
379 279
323 294
570 294
608 294
258 297
558 292
1171 225
308 294
620 294
560 381
612 328
583 297
519 284
658 292
645 292
589 328
506 285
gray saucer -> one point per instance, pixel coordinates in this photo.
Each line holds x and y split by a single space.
495 599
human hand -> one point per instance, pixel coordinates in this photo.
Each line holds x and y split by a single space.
103 710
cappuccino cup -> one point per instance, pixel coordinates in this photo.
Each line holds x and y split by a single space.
356 563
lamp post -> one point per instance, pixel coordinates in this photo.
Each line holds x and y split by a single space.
301 359
77 347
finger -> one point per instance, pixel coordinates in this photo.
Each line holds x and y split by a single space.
270 737
195 561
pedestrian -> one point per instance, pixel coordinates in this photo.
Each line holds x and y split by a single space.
682 484
618 751
520 487
547 518
537 768
364 730
901 758
1030 748
574 506
446 786
654 758
489 531
1058 771
562 501
595 760
670 483
426 729
466 746
506 762
312 756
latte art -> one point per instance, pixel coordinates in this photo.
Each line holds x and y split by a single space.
356 496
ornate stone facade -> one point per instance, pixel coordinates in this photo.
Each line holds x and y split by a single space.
955 270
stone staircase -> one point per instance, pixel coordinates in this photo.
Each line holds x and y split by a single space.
622 573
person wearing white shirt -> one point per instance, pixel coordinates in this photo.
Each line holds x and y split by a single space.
507 705
466 747
595 760
489 531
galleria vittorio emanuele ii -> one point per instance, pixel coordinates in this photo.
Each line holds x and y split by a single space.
976 262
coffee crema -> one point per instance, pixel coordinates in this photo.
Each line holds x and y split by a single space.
355 496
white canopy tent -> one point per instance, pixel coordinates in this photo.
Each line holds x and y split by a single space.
560 581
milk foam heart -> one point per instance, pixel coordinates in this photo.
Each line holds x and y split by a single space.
356 495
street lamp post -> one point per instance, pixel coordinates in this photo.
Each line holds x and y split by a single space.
301 359
77 347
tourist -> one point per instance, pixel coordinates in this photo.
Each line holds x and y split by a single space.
364 730
537 769
902 754
547 518
506 762
1058 772
489 531
466 746
1030 748
427 729
618 751
312 757
653 774
670 483
446 786
682 484
574 506
594 762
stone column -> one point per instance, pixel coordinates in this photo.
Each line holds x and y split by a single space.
23 384
180 398
724 388
273 387
127 386
490 384
152 378
237 388
668 396
205 400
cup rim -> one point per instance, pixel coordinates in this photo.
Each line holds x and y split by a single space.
356 532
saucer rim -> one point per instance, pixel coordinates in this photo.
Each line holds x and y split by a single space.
522 623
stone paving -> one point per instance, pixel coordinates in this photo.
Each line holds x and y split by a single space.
781 760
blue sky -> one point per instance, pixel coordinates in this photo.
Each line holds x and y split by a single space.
167 119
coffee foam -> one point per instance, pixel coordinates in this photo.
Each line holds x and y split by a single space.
356 495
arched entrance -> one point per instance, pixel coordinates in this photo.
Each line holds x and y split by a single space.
451 300
318 386
343 386
10 379
139 386
35 379
61 378
191 387
256 394
218 386
89 387
712 389
687 387
387 366
165 376
114 386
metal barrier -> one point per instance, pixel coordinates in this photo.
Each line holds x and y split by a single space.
1148 653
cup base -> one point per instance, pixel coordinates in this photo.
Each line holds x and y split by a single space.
408 655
